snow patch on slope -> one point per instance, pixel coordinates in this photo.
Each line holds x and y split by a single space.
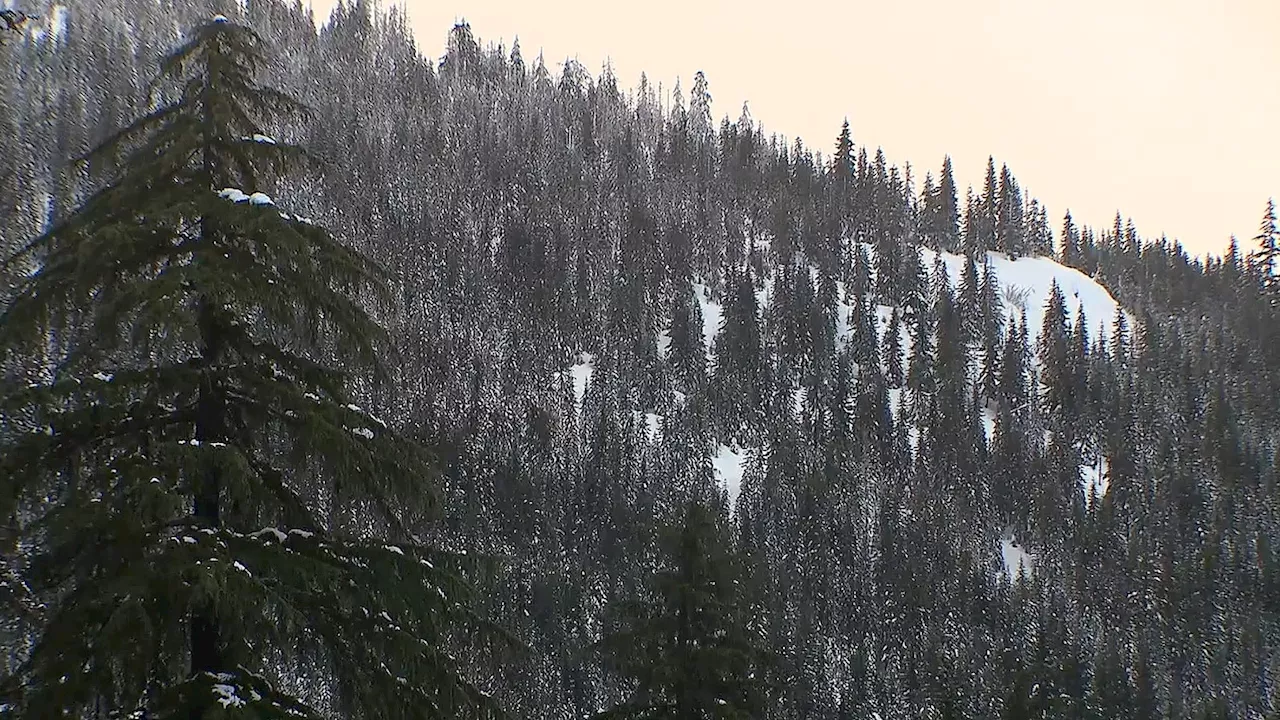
652 423
712 316
664 343
1094 478
1018 562
895 403
798 396
989 424
728 464
1024 287
1025 284
581 372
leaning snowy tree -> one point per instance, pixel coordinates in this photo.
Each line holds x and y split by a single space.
206 525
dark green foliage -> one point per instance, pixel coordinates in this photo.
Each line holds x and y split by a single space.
987 211
990 329
689 651
1069 251
207 514
891 351
687 354
738 377
843 178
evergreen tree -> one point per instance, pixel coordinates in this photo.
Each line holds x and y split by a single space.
891 351
863 339
860 278
1009 233
1266 258
213 524
948 210
1037 237
988 210
738 377
700 123
842 161
687 354
842 176
970 312
1054 350
1069 253
991 320
929 213
690 651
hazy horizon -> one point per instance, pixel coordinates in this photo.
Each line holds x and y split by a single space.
1158 109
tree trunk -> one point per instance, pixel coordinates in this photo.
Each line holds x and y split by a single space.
211 426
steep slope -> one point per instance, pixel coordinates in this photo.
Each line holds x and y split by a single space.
1026 284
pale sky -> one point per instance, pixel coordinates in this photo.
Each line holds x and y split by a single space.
1167 110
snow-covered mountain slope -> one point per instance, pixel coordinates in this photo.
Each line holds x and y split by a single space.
729 465
1016 560
1025 284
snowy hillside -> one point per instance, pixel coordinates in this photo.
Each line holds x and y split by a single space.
1025 285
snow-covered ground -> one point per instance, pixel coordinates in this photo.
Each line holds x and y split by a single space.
652 423
1026 282
1094 477
1017 561
712 316
729 464
581 372
989 423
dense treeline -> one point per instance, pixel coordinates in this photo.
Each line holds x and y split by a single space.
905 434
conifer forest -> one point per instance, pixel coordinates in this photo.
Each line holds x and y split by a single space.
342 381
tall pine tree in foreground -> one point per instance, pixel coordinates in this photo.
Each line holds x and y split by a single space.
208 525
690 651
